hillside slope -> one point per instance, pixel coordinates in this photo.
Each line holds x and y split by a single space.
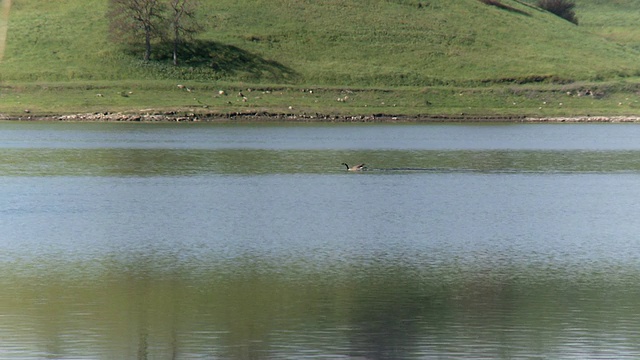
334 42
616 21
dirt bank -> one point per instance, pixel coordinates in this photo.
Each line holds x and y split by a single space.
273 117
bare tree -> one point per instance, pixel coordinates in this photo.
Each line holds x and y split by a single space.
135 17
182 23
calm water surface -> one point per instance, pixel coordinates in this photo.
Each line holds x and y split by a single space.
200 241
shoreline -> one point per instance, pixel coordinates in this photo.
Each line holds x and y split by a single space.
240 117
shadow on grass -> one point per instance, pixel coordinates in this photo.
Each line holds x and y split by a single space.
226 59
502 6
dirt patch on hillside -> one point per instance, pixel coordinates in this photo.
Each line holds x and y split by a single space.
4 25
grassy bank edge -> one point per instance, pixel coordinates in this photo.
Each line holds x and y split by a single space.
288 118
153 100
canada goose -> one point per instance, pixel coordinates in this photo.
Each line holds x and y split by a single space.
359 167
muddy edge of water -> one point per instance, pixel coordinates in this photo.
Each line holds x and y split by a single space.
283 117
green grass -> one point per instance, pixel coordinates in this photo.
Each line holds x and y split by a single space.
615 98
616 21
387 56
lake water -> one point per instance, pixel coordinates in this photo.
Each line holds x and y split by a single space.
202 241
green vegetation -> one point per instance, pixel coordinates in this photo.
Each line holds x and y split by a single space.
616 21
336 56
562 8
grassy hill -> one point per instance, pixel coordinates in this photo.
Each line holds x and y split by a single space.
616 21
381 44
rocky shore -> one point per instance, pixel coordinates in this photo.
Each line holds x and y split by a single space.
282 117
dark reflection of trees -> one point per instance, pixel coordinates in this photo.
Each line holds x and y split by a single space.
387 306
246 304
138 282
252 308
141 291
155 319
53 330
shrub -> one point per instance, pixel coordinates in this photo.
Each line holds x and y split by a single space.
562 8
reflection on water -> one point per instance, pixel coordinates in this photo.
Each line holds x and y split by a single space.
172 162
373 312
157 250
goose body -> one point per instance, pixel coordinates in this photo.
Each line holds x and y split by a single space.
358 167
